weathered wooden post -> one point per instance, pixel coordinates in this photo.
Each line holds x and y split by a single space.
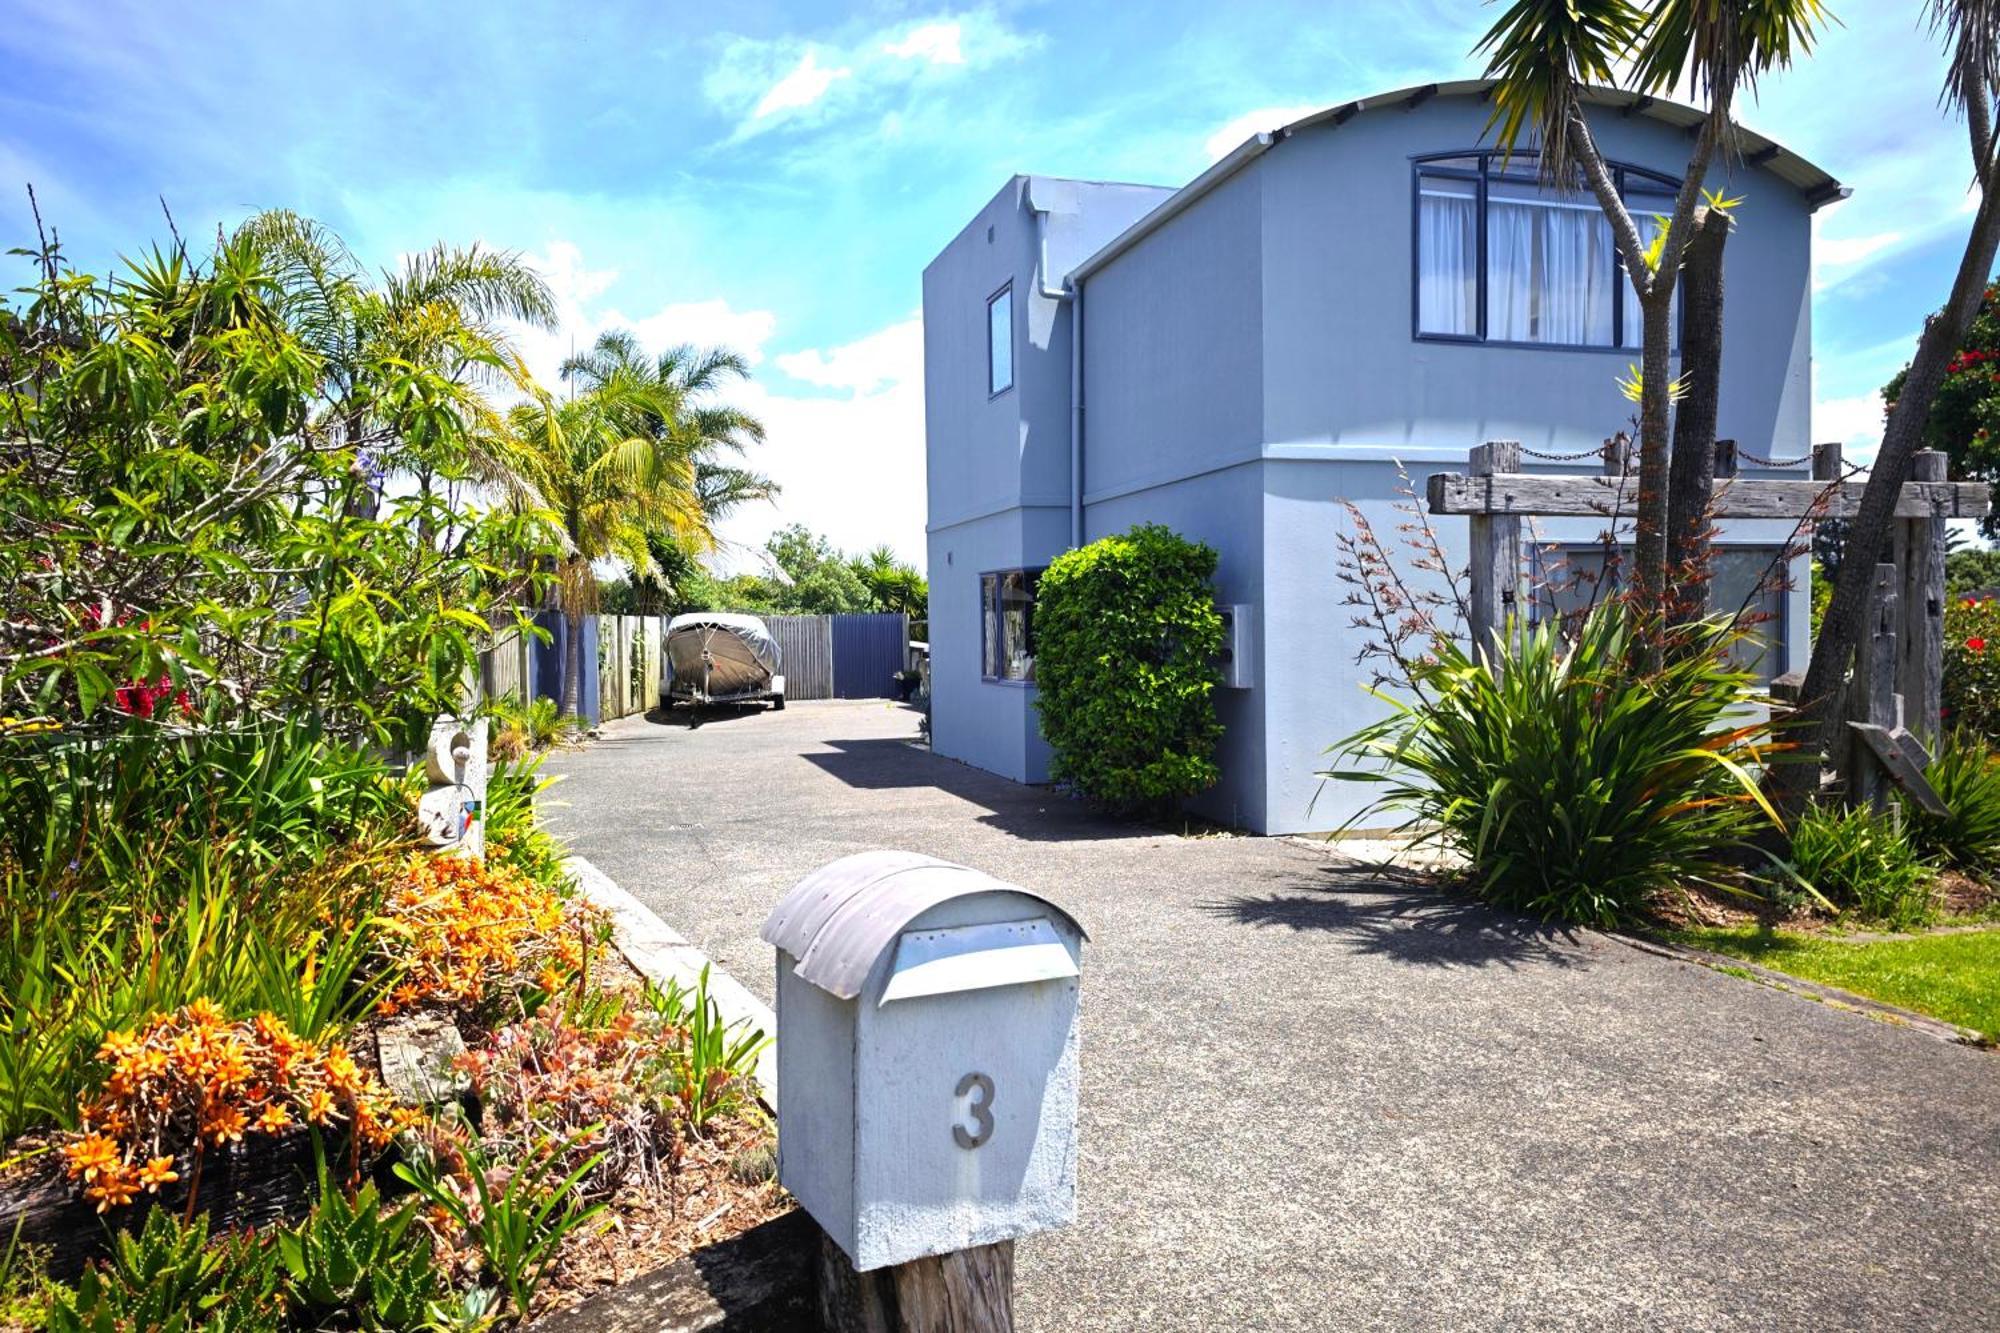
1727 461
1872 694
927 1085
1494 574
1920 550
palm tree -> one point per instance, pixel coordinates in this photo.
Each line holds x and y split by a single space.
444 310
1971 30
1545 54
714 434
608 481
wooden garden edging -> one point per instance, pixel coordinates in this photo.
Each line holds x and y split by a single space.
1895 697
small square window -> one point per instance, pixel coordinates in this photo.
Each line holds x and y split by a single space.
1007 624
1000 341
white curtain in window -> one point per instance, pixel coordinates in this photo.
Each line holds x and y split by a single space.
1447 256
1548 268
1648 212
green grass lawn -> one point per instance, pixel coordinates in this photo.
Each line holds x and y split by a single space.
1953 977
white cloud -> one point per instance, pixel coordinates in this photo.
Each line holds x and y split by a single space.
865 365
936 42
1855 422
807 82
850 461
783 81
1842 250
1225 139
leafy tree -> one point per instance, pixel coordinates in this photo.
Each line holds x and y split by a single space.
1967 572
816 580
188 530
1126 640
1971 30
1545 54
1964 419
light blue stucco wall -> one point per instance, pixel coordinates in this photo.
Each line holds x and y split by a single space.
1248 364
998 467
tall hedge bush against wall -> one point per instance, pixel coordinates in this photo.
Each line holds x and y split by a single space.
1126 639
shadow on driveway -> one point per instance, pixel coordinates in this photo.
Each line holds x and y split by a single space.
1402 915
1035 814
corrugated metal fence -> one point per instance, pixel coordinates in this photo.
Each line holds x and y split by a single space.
868 651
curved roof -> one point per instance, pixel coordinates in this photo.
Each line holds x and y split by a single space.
1816 185
838 920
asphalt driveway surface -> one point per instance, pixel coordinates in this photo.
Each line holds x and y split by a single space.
1319 1098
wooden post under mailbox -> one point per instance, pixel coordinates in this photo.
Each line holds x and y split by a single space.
1920 641
1495 570
1872 694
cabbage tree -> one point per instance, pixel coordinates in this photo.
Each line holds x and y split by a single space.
1545 56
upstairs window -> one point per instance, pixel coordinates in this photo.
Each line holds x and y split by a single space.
1000 341
1502 258
1007 629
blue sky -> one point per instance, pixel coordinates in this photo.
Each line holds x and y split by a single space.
775 176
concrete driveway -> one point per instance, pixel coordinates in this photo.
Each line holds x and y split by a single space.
1317 1098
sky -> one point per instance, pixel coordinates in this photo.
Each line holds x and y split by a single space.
774 177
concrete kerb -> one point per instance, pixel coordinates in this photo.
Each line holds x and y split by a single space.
661 954
1879 1010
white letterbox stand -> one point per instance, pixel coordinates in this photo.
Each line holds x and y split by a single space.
927 1057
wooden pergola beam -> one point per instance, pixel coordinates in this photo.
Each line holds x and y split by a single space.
1524 495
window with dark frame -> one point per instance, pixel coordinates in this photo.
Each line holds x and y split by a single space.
1745 580
1007 624
1501 258
1000 341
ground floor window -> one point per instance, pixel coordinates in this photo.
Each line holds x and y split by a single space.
1006 610
1742 578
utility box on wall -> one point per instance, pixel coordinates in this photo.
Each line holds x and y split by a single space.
927 1056
1237 659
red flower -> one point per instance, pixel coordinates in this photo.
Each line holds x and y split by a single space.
1976 644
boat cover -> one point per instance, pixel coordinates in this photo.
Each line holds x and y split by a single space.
743 654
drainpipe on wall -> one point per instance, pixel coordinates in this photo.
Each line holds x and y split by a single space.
1076 414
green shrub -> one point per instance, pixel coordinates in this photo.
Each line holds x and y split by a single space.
1972 666
1126 637
1966 774
1577 787
1861 862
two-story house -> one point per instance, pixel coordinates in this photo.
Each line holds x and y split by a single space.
1368 287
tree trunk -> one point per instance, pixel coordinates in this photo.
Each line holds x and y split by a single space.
1691 471
572 688
1649 547
1790 785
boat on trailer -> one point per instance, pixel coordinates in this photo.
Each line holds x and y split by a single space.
716 657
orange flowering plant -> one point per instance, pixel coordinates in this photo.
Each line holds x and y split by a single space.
192 1082
462 933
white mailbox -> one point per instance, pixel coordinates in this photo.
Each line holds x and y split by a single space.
927 1056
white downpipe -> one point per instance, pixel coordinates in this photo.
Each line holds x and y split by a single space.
1075 414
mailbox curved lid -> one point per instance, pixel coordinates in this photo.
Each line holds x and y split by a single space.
838 920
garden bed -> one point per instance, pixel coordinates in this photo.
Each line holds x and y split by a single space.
332 1078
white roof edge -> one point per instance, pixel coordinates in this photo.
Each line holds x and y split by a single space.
1818 187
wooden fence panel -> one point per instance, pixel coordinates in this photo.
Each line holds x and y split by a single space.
805 651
